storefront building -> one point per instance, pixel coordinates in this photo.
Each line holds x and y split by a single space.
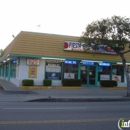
41 56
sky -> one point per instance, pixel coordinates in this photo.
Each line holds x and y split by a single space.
65 17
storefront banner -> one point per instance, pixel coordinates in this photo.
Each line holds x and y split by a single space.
53 68
104 77
33 62
77 46
116 77
69 75
53 75
32 72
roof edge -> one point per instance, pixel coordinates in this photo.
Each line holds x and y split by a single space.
49 34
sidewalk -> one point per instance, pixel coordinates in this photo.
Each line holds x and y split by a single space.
58 94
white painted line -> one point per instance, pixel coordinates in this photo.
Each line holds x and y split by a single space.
68 108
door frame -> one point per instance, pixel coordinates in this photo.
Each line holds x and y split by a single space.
87 77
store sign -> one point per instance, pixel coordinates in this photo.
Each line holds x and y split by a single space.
16 61
73 46
33 62
54 61
77 46
104 77
53 68
69 75
116 77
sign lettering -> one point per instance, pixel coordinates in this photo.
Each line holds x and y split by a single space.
33 62
77 46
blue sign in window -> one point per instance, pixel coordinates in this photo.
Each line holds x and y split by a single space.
14 61
104 64
53 75
70 62
87 63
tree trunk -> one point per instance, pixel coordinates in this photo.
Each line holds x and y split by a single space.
128 82
127 72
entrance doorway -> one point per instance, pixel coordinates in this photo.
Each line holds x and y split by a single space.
88 75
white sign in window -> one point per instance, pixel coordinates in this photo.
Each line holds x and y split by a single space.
104 77
116 77
53 68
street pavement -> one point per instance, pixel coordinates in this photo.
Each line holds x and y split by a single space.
14 93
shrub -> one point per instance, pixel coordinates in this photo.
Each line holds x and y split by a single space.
28 82
71 82
108 83
47 82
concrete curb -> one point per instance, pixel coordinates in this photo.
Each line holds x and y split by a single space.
79 99
49 87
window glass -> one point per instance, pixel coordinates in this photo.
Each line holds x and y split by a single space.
104 72
6 70
53 69
0 70
70 71
13 70
118 73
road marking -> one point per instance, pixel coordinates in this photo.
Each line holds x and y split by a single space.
59 121
67 108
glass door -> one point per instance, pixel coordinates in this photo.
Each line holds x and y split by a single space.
92 75
88 75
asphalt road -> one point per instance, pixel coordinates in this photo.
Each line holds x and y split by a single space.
62 116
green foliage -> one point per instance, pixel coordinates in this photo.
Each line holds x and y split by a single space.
71 82
108 83
114 32
47 82
28 82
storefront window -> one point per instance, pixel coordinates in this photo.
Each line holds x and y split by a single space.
6 70
114 72
70 70
118 73
53 69
0 70
104 72
13 70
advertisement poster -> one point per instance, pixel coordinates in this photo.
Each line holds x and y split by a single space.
53 68
53 75
32 73
116 77
69 75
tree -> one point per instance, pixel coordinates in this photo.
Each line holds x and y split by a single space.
113 32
